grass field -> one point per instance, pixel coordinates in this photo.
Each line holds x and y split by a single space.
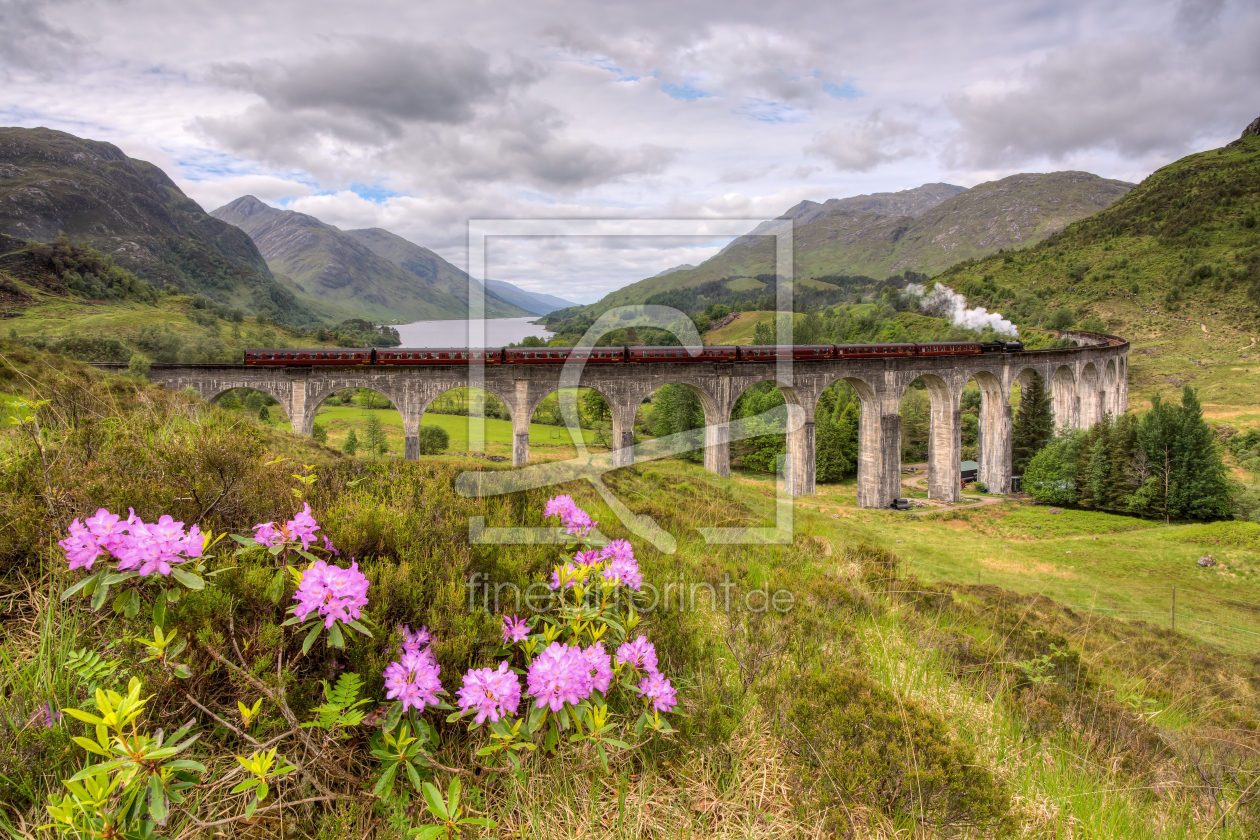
339 420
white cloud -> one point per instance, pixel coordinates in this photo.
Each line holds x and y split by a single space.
861 146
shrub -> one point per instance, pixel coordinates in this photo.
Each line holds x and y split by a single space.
433 440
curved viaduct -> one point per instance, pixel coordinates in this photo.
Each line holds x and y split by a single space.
1085 383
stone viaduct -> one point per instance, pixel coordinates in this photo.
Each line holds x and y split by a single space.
1085 383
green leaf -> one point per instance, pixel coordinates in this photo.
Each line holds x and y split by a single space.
275 589
433 797
385 784
427 832
99 597
452 796
188 579
90 745
358 627
89 581
310 638
414 775
392 717
251 806
640 724
335 638
553 737
131 608
248 784
181 671
157 799
186 764
159 610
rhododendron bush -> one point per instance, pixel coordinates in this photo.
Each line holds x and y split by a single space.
580 677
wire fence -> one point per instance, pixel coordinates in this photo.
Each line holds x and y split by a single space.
1232 624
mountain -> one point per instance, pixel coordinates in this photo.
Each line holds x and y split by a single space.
434 270
1174 266
925 229
533 301
367 272
53 183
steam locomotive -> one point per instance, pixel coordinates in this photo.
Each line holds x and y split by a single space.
310 357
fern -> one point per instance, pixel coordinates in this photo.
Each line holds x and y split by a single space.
91 668
342 706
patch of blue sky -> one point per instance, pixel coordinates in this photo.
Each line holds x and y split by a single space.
771 111
685 92
844 91
371 192
611 66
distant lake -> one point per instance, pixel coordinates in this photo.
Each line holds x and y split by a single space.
500 332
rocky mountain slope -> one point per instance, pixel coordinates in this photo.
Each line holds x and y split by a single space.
925 229
372 272
53 183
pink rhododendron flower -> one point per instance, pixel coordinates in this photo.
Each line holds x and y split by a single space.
328 546
657 689
587 558
335 593
559 675
600 665
413 680
81 546
265 533
417 641
493 693
576 521
621 564
145 548
301 527
514 630
640 654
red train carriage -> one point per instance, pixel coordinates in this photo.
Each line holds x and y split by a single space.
950 348
560 355
795 352
874 351
309 356
642 355
437 356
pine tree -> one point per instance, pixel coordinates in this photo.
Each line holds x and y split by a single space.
1153 467
763 334
1200 488
374 436
1034 424
351 446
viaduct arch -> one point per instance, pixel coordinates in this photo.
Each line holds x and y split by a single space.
1085 382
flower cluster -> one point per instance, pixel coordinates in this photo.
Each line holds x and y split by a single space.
301 527
617 559
514 630
576 521
560 674
136 545
641 655
413 680
495 694
335 593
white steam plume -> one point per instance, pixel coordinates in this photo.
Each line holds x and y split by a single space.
944 302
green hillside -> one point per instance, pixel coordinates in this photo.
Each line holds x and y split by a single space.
53 183
1174 266
433 270
346 275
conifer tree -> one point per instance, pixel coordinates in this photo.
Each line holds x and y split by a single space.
1034 424
837 443
351 445
374 436
1201 487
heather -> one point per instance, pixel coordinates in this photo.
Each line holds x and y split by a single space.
882 704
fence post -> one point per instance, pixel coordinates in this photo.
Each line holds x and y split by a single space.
1174 608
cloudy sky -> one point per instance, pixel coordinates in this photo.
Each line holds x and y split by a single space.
416 116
